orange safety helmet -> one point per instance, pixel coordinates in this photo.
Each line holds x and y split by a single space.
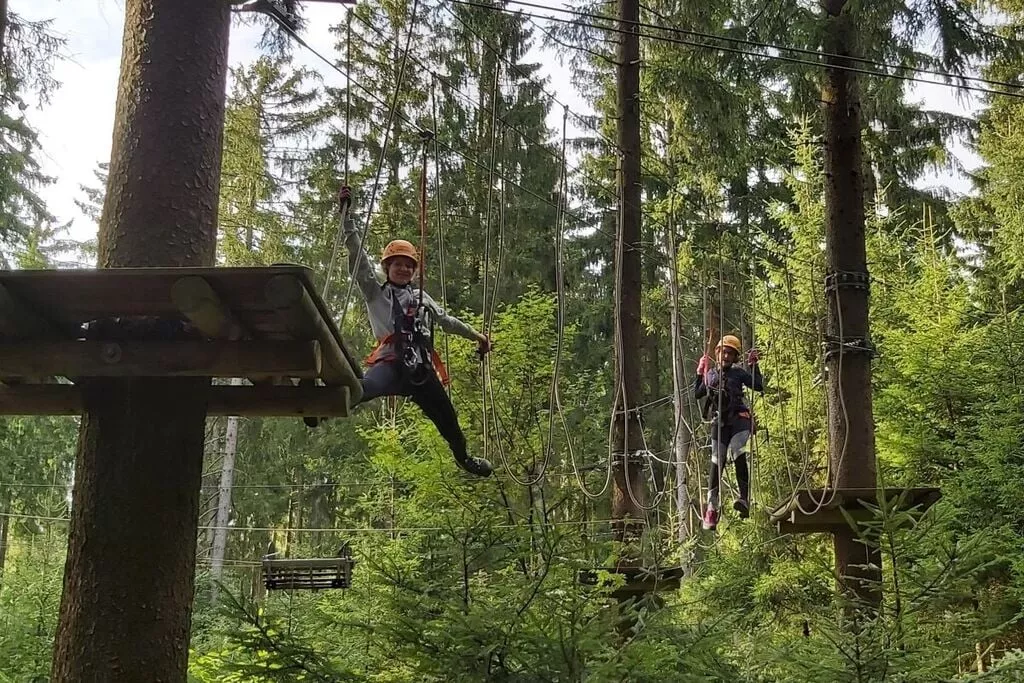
400 248
729 341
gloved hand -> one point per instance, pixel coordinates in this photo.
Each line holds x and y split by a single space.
484 345
753 356
344 196
703 365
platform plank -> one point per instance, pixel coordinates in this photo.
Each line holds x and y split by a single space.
243 401
186 358
307 574
72 297
857 503
226 305
638 580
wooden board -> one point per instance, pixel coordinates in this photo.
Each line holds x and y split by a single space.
307 574
42 314
791 517
638 580
68 298
256 401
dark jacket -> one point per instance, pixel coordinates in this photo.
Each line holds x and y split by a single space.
731 398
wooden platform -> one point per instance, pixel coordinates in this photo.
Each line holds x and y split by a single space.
858 503
307 574
266 326
639 580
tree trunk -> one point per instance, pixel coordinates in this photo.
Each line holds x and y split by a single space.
5 540
851 428
3 35
227 478
680 434
129 578
628 495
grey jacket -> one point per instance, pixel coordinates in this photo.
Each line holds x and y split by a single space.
379 297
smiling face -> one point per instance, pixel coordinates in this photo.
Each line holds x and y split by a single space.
400 270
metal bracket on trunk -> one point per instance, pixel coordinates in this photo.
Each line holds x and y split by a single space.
847 280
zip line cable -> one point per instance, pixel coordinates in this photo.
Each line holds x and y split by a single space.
777 58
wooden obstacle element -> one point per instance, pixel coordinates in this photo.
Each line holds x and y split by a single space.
59 328
804 513
639 581
309 574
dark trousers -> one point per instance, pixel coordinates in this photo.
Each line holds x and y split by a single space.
728 437
390 379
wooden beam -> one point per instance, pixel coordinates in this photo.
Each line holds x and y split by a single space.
191 358
293 303
244 401
196 299
19 321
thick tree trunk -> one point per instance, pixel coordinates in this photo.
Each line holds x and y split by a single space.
129 577
227 478
851 428
628 495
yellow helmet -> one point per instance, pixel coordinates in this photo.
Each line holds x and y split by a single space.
400 248
729 341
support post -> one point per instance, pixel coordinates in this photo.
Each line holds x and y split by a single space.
848 360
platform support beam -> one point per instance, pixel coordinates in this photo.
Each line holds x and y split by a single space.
187 358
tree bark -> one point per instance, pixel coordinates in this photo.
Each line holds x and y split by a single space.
628 494
129 578
227 478
5 541
851 427
3 35
680 434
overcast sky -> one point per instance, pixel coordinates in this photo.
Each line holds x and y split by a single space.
76 126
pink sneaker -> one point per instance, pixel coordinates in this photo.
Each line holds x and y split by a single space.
710 519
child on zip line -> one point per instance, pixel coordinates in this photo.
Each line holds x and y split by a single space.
731 421
402 319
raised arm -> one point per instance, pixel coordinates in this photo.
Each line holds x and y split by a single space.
359 262
700 388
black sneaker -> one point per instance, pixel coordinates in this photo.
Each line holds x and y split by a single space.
741 507
477 466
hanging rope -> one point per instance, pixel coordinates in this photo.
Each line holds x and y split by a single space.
392 111
425 136
345 204
440 219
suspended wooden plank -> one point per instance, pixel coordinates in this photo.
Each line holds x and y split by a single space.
307 574
638 580
186 358
244 401
822 510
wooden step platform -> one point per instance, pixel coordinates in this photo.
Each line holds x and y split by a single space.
308 574
267 326
638 580
858 503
